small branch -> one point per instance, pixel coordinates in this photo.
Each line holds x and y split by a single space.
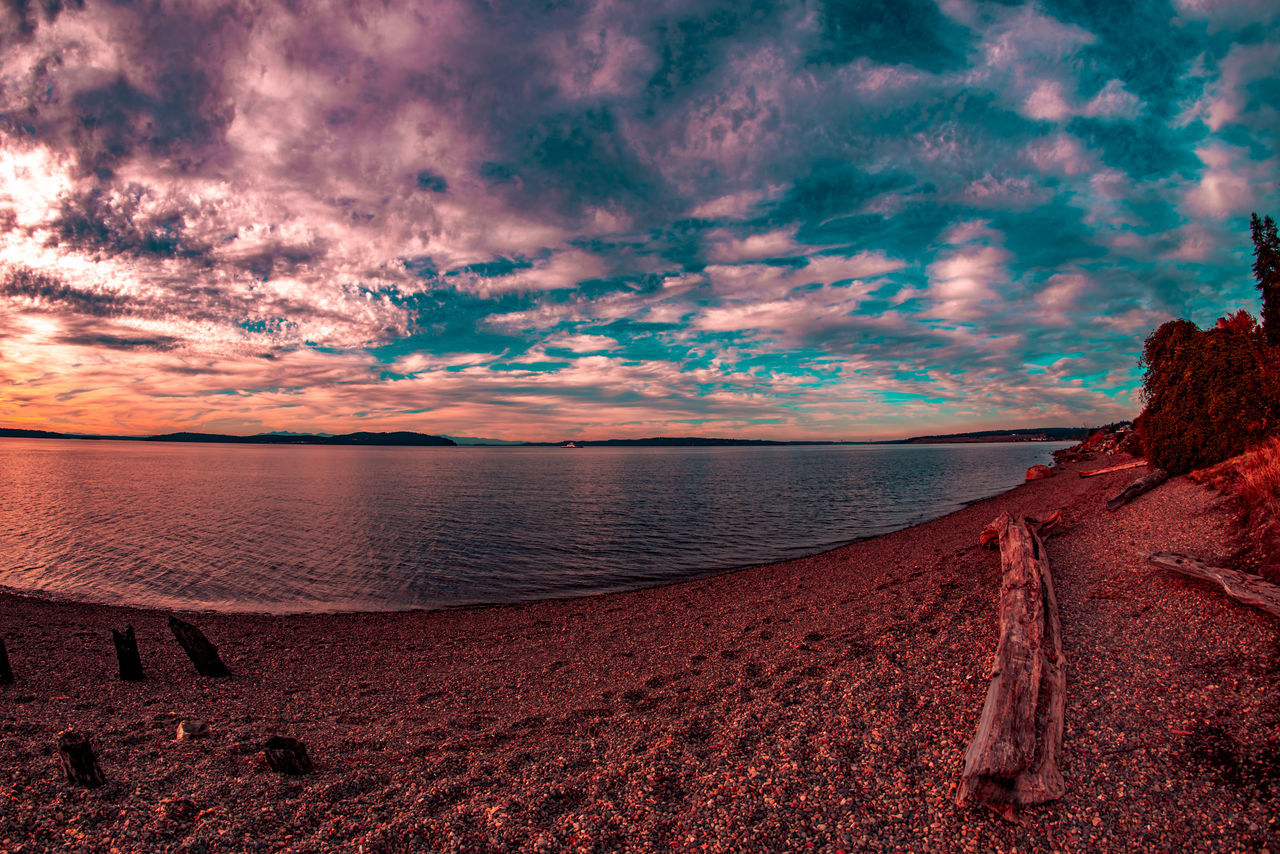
1130 465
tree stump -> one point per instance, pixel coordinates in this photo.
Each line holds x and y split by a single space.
127 655
6 675
287 755
78 761
203 654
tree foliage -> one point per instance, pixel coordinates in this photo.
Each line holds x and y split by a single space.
1210 393
1266 269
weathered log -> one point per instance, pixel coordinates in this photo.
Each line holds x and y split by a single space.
1242 586
287 755
203 654
1013 758
1144 484
127 655
78 762
1129 465
6 675
989 538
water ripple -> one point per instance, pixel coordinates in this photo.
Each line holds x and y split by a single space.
312 528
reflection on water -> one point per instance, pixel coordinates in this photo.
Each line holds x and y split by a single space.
313 528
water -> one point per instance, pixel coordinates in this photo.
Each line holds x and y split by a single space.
312 528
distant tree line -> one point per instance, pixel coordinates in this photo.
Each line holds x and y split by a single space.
1211 393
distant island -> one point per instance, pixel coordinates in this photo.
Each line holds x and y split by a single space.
1042 434
664 442
363 438
15 433
408 439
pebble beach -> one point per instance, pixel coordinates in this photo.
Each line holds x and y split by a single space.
822 704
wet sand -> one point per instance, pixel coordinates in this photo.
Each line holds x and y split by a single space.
820 704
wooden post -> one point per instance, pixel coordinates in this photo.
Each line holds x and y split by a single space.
78 761
127 655
1144 484
287 755
1013 758
1241 586
6 675
203 654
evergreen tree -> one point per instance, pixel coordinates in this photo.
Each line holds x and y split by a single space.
1266 269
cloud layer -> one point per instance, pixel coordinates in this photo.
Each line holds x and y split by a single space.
791 220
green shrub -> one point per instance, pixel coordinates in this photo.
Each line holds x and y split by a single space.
1210 393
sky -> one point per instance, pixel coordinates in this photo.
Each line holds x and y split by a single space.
521 220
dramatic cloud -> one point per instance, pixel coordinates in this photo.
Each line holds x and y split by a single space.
818 219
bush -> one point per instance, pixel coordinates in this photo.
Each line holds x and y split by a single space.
1254 477
1210 393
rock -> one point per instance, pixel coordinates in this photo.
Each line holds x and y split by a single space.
1039 472
176 809
190 730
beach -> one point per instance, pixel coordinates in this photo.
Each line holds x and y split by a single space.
819 704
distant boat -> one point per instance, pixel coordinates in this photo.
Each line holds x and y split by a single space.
570 445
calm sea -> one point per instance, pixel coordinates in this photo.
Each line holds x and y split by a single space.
312 528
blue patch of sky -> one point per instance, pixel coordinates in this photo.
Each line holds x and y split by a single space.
432 182
447 321
905 31
1144 149
268 325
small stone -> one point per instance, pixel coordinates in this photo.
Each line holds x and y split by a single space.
177 809
190 730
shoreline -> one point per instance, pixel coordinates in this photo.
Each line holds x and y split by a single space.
826 700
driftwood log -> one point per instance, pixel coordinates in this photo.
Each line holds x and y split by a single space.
1013 758
78 761
6 675
287 755
203 654
1142 485
1130 465
1246 588
990 536
127 655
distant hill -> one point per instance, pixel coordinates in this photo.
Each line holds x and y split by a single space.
405 438
15 433
1041 434
401 438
